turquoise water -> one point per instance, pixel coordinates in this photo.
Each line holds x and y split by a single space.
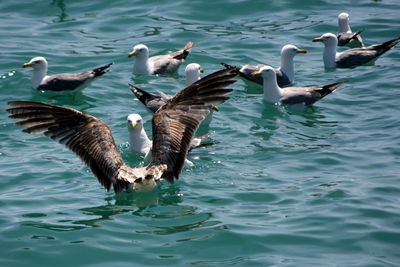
317 186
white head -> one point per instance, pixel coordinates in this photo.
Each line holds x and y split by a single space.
140 51
343 20
192 72
329 39
267 72
37 63
135 122
289 51
272 92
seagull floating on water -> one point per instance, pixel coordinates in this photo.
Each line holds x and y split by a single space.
90 138
352 57
163 64
285 73
63 81
291 95
345 36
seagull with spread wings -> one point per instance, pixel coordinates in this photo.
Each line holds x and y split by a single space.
173 127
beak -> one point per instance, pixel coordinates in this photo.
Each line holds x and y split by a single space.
201 70
215 108
134 124
317 40
131 54
25 65
256 74
302 51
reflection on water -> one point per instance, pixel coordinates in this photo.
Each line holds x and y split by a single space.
61 5
160 211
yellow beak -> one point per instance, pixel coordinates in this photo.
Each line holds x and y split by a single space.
201 70
131 54
134 124
256 74
302 51
317 40
25 65
215 108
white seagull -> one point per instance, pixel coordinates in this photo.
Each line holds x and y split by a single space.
345 36
63 81
163 64
352 57
291 95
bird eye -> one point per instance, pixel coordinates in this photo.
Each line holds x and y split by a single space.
138 121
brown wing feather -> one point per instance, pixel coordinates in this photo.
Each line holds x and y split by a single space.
88 137
175 123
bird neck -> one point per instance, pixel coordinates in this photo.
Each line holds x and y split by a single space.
272 92
344 26
287 67
330 56
141 65
139 142
191 78
38 76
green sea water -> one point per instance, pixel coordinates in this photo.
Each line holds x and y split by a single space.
317 186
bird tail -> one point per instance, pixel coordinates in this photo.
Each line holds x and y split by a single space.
386 46
184 52
329 88
142 95
199 141
101 70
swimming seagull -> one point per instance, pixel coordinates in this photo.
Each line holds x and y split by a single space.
140 143
285 73
163 64
63 81
291 95
345 35
352 57
90 138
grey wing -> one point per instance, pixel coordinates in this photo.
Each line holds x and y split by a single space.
164 64
307 95
356 57
282 78
345 38
246 72
66 81
175 123
86 136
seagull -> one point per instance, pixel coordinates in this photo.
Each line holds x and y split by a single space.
291 95
63 81
163 64
285 73
352 57
345 36
153 102
140 143
91 139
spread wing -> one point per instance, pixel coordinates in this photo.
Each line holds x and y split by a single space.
175 123
86 136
